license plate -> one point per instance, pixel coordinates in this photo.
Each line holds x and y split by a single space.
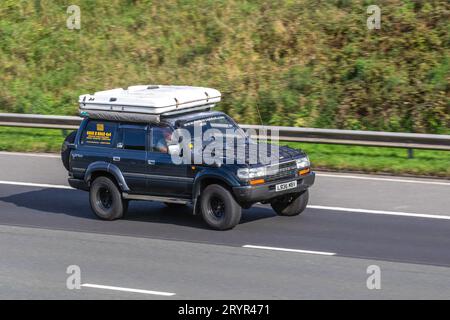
286 186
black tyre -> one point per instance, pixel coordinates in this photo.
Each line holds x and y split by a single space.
290 204
218 208
106 200
65 151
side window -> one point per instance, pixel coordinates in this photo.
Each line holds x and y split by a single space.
160 137
99 133
133 139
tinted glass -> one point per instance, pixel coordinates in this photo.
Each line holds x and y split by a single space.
99 133
221 123
134 139
160 137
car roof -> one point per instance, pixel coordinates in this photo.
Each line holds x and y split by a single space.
186 117
172 120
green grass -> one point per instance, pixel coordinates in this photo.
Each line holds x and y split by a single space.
31 140
377 160
332 157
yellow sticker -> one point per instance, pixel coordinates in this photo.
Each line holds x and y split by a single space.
100 127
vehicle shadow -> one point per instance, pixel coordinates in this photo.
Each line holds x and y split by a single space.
49 200
76 204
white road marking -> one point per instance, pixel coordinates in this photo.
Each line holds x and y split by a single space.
289 250
391 213
23 154
352 210
98 286
39 185
439 183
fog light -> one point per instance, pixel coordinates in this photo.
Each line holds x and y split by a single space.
257 181
304 171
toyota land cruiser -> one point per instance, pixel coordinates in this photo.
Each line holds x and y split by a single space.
119 161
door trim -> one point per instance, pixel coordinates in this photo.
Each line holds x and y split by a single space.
155 198
157 176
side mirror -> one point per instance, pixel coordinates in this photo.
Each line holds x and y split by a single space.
174 149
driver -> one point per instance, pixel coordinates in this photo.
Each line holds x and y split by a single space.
161 144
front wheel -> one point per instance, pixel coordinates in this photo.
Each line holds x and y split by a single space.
290 204
106 200
218 208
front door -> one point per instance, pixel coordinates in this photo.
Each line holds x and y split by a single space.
166 178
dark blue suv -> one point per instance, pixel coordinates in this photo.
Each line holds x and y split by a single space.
118 162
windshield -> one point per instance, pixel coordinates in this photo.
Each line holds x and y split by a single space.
226 126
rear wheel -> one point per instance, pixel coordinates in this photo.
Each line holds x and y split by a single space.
218 208
290 204
106 200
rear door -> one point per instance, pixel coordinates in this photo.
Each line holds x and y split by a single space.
130 156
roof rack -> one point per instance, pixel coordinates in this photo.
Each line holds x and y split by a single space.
147 103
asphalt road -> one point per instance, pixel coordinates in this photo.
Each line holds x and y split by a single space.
401 225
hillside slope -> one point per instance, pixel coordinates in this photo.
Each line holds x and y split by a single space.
304 63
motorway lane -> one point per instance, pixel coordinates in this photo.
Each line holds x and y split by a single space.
34 262
405 239
397 238
431 196
415 245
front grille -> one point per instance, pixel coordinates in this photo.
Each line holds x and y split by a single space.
284 170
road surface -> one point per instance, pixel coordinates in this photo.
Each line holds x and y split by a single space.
400 225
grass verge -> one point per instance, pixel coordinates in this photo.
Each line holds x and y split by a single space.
31 140
377 160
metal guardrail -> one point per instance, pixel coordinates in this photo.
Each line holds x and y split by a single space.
310 135
39 121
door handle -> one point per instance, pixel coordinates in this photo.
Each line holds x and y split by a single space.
117 159
151 162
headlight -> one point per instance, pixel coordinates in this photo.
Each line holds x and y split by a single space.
302 163
250 173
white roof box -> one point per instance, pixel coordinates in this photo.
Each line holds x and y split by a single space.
147 102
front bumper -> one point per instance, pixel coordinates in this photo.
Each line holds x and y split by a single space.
264 192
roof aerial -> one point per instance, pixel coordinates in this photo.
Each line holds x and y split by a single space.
147 102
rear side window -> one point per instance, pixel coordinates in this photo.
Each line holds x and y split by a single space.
133 139
99 133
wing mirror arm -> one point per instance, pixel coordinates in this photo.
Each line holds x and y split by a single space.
174 149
